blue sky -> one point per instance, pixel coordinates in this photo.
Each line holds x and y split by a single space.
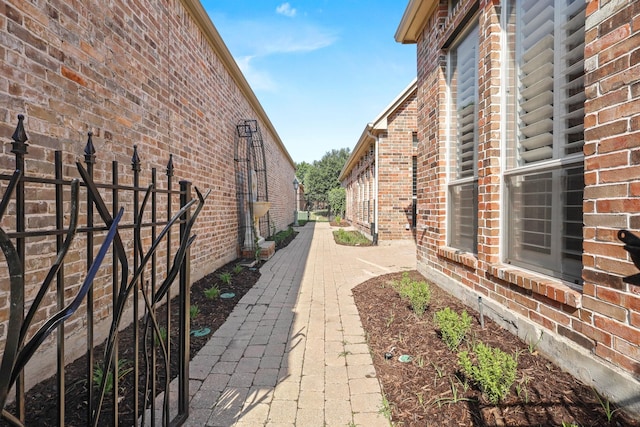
321 69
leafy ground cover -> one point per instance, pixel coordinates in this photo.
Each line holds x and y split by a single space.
350 238
431 388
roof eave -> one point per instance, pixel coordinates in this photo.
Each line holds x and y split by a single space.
413 20
365 138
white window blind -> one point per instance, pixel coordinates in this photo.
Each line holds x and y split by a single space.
545 169
463 132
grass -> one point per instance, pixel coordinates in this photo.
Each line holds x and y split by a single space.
281 236
350 238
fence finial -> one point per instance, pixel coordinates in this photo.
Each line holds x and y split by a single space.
170 166
89 149
19 144
135 159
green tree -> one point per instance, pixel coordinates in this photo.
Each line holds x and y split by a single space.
302 169
324 173
338 200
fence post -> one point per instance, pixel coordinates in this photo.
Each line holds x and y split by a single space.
19 148
185 305
89 159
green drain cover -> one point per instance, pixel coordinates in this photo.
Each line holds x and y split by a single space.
201 332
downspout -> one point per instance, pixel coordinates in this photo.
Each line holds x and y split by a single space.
374 234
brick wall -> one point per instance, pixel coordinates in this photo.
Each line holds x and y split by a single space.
593 333
392 133
611 308
395 178
132 72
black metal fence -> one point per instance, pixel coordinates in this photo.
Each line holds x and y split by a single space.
134 260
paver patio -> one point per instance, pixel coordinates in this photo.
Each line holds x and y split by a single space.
293 352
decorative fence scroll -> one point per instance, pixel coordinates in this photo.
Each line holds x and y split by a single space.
139 283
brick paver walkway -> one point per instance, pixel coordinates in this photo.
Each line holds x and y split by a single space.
293 352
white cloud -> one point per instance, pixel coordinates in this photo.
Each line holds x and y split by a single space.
259 80
286 10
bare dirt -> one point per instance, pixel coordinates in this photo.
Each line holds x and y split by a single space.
430 390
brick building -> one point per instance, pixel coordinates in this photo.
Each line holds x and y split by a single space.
529 144
379 175
154 74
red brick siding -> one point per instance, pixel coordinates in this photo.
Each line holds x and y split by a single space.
132 72
604 317
395 173
612 196
395 179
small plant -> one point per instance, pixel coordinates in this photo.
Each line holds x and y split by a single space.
385 410
225 278
534 345
606 405
453 327
438 369
344 353
238 269
521 388
337 219
418 293
494 370
454 396
464 383
390 319
569 424
194 310
98 374
420 398
162 336
350 238
213 292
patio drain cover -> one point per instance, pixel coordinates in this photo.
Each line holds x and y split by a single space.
201 332
227 295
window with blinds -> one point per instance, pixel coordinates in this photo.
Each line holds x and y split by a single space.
463 132
544 169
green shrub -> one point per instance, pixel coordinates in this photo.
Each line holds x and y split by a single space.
453 327
283 235
350 238
237 269
98 374
212 292
194 310
225 278
337 219
494 370
418 293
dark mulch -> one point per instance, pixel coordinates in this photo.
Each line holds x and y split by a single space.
421 393
40 401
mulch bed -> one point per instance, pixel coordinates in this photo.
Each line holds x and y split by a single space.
429 390
40 401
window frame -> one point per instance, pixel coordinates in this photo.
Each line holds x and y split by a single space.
456 183
554 264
